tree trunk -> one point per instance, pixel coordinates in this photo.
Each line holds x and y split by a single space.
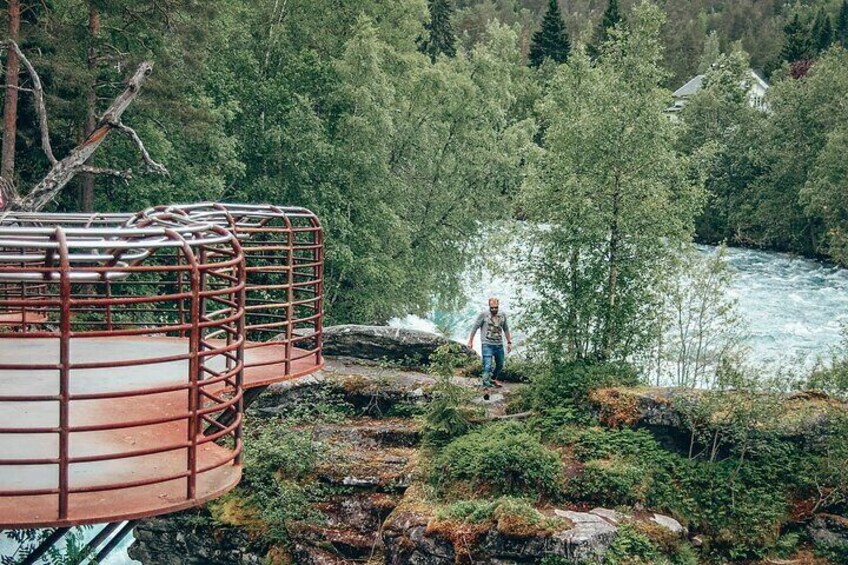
10 106
613 272
87 189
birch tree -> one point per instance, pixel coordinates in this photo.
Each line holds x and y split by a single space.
612 195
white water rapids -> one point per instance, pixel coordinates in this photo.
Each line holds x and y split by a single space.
793 307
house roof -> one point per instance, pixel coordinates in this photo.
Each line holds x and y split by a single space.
695 83
690 88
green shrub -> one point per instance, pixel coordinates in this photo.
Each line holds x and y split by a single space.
500 458
273 450
449 413
631 547
787 544
555 421
739 508
275 493
570 384
599 443
610 482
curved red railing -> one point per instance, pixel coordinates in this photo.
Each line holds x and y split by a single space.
126 342
121 352
284 252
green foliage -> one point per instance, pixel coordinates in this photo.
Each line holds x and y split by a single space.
274 494
612 17
568 385
68 552
448 414
613 481
787 544
832 377
795 202
477 511
273 450
701 330
440 38
822 31
720 129
710 53
500 458
842 24
608 164
738 501
797 43
322 104
551 41
632 547
515 370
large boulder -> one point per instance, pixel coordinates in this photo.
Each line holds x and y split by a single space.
376 343
365 388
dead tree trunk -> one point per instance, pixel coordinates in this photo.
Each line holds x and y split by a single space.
10 105
62 172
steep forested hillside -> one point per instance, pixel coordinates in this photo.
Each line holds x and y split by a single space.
757 24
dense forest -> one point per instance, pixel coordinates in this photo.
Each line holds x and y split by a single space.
417 130
409 125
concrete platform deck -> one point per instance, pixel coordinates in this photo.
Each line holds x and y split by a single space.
120 454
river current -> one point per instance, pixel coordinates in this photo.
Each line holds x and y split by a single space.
793 308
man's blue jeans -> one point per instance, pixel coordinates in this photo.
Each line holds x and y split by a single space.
492 354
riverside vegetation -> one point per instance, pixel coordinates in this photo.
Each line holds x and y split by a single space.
408 126
751 471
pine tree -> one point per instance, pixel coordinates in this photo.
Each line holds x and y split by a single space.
440 37
611 18
822 34
842 25
551 40
796 42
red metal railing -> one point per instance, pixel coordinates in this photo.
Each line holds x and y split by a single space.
121 350
147 327
284 252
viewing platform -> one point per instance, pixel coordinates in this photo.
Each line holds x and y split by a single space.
127 343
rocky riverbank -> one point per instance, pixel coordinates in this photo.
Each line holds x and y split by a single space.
343 475
370 513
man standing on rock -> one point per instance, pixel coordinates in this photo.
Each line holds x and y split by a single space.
493 327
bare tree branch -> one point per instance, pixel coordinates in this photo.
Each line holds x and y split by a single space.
38 95
152 166
126 175
19 88
63 171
